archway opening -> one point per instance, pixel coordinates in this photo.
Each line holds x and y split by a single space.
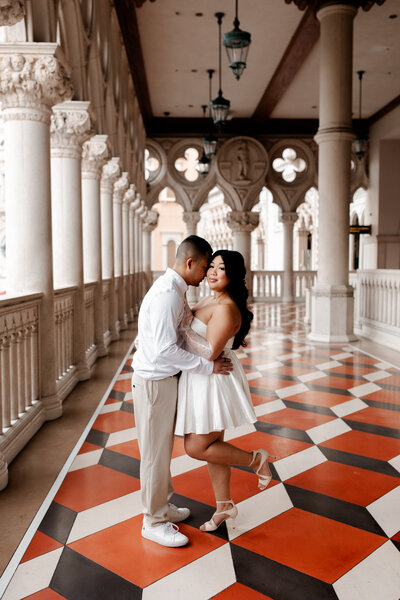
170 230
213 224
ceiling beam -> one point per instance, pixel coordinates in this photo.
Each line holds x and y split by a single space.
301 44
384 110
130 32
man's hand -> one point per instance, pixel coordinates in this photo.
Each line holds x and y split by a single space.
222 365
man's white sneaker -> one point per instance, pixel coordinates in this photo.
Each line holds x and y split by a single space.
176 515
165 534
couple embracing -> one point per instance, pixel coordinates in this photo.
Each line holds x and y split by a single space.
188 381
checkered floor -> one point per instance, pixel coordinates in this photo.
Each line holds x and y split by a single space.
328 527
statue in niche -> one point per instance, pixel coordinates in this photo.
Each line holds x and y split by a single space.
242 162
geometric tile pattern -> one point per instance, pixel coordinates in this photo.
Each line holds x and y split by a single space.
328 526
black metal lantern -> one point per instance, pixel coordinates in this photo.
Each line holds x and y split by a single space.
237 44
220 105
209 141
360 144
203 164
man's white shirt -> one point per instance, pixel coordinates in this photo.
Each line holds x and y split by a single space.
159 351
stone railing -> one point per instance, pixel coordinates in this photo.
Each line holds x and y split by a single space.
90 346
377 305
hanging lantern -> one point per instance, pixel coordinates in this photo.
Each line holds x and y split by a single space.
237 43
220 105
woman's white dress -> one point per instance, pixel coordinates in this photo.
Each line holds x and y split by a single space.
213 402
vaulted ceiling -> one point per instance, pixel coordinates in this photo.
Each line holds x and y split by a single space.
172 43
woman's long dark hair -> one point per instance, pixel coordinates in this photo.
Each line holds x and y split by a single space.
236 272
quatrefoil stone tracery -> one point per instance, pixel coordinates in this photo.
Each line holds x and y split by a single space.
151 164
289 165
187 164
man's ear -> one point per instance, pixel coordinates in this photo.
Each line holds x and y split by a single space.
189 263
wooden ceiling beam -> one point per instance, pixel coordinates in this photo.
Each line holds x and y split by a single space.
301 44
130 32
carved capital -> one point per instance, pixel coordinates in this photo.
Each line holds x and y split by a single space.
242 221
289 218
94 154
32 81
120 187
191 218
11 11
110 173
70 127
141 210
150 221
130 194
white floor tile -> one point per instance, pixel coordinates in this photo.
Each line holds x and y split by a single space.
341 355
364 389
183 464
298 463
107 408
274 364
346 408
105 515
231 434
382 365
258 509
128 396
325 366
376 375
375 578
87 459
328 430
301 348
253 375
199 580
395 462
291 390
311 376
269 407
386 512
119 437
124 376
288 356
33 575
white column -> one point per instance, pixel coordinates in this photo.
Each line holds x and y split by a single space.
70 127
191 218
132 251
128 198
242 223
32 79
139 214
111 172
120 187
149 224
94 155
332 298
288 220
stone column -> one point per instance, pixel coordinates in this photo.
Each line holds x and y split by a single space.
70 127
111 172
242 223
32 79
332 298
191 219
94 155
288 220
149 224
139 214
126 245
302 237
120 187
132 251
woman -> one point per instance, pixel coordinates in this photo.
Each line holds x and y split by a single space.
209 404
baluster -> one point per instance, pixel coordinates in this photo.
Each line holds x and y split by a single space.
35 361
5 380
20 371
28 365
63 340
13 376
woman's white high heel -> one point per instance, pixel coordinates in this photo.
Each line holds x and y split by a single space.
230 513
263 480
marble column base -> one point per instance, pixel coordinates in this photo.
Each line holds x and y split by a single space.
52 407
3 472
332 313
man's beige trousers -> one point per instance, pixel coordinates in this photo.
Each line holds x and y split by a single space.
155 412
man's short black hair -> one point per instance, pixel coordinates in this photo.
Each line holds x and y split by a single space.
193 247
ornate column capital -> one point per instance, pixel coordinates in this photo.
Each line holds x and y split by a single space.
134 205
130 195
70 126
191 218
94 154
120 187
32 78
150 221
141 210
110 173
289 218
11 11
242 221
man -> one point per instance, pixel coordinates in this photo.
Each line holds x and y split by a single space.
157 362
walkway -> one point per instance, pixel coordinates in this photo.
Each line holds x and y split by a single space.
328 526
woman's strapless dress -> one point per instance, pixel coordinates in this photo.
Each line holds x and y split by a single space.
213 402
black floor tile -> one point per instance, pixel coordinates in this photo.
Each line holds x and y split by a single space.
356 460
121 463
78 578
117 395
370 428
385 406
322 410
97 438
199 514
287 432
330 390
127 407
57 522
261 392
